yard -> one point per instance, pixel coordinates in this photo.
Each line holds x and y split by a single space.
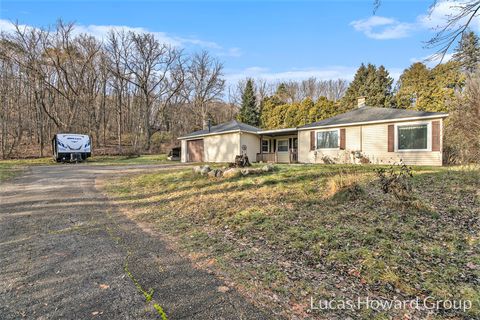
302 234
9 168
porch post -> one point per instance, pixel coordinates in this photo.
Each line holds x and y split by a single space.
261 147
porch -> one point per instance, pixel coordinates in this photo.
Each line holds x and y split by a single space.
278 146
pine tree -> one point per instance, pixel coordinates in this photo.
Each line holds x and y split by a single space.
468 52
282 92
356 88
248 112
420 88
413 86
381 92
375 84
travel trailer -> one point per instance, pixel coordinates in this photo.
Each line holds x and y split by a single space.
71 147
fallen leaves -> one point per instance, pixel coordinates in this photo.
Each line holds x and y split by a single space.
223 289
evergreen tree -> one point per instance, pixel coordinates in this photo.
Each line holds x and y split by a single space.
381 92
412 87
248 112
468 52
420 88
276 114
446 81
356 88
371 82
282 92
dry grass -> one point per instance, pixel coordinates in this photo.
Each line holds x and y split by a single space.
298 232
345 185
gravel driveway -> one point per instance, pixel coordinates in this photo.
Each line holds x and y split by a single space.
65 253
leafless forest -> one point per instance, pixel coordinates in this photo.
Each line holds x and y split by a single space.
130 92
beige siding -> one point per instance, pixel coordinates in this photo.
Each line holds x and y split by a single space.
352 138
183 151
252 142
222 147
371 141
304 153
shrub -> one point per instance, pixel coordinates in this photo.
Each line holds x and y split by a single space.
396 180
327 160
363 159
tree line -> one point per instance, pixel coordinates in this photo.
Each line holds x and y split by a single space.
129 91
134 94
448 87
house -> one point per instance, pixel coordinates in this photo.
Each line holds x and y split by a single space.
363 135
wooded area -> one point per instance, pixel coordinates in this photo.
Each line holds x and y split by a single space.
134 94
129 92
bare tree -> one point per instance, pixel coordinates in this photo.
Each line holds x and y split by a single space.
155 69
118 82
205 84
124 89
23 48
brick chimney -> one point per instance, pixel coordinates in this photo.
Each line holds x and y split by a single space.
361 102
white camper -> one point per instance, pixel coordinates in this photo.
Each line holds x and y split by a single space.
71 147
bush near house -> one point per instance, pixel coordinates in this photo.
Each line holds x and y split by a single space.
291 235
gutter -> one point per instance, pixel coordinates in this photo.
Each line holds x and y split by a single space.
349 124
277 130
214 134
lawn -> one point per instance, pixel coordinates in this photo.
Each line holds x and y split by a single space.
127 160
10 168
300 234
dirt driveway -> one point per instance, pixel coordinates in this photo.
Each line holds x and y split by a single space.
65 253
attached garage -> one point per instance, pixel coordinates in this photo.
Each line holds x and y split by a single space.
195 151
221 143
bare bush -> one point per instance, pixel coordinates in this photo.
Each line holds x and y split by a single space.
396 180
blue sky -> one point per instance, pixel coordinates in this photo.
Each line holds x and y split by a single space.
266 39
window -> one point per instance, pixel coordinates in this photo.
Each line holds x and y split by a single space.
412 137
264 145
282 145
327 139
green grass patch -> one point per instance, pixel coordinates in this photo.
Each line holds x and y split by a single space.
130 160
11 168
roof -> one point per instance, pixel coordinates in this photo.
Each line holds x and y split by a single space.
371 114
277 131
232 126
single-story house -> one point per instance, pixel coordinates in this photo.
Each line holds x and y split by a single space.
363 135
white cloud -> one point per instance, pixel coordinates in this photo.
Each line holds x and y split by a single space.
334 72
328 73
382 28
101 31
232 52
438 15
7 26
432 60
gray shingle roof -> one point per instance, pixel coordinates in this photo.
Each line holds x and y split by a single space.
366 114
233 125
